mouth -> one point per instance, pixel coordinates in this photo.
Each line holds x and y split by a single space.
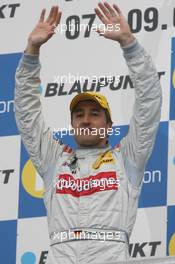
85 131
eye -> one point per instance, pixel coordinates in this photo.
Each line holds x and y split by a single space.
95 113
79 115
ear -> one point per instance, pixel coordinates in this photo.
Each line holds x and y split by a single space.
71 117
72 121
109 124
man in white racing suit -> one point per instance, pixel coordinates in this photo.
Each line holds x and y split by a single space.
91 193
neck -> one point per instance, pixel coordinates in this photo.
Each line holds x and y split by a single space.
93 146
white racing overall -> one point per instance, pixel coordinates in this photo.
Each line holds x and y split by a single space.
106 182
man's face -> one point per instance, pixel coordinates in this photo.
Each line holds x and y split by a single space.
89 119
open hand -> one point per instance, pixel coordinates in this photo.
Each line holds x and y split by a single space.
44 29
117 28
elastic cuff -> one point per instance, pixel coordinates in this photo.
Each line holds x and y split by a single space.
132 49
30 59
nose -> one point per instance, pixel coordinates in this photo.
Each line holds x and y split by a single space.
86 120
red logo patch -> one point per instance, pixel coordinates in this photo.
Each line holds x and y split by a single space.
103 181
67 149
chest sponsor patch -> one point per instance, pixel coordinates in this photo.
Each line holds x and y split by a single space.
102 181
103 158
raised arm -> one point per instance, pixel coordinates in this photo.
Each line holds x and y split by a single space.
36 135
137 146
139 142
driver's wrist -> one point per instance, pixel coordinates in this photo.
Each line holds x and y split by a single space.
32 49
125 41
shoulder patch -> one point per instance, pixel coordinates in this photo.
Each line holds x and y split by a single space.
67 149
117 147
